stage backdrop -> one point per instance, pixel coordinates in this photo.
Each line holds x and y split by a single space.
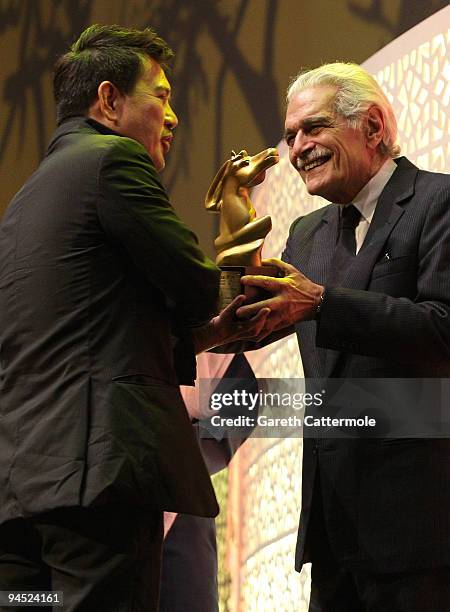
265 477
234 60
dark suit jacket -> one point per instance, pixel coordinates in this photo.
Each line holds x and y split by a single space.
96 272
386 502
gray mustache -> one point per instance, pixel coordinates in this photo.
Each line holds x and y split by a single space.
311 156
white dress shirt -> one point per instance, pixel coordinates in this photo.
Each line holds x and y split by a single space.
367 198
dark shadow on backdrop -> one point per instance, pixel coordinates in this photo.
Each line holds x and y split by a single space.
181 24
22 96
43 37
410 13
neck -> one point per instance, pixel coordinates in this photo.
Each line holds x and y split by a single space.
95 113
377 162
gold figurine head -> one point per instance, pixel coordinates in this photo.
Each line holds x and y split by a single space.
241 232
243 170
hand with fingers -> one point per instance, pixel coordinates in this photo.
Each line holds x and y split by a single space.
294 297
226 327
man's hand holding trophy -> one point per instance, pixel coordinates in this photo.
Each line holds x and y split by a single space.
239 244
241 232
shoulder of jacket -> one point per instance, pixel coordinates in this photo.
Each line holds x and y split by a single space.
120 145
304 222
118 152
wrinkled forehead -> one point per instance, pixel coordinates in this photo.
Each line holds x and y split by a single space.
311 102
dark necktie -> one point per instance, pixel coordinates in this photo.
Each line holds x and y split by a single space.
345 250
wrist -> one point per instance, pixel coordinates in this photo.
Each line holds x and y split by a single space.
202 338
320 298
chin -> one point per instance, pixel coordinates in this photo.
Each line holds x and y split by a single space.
320 186
316 188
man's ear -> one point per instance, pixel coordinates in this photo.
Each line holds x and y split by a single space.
109 102
374 127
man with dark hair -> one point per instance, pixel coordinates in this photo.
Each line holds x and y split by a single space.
103 53
102 291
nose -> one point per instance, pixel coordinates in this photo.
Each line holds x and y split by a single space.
302 144
170 118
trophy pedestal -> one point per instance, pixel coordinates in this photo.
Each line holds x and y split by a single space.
230 283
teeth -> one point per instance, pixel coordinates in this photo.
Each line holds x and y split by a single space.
314 163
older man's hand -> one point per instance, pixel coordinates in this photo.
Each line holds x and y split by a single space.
226 327
294 297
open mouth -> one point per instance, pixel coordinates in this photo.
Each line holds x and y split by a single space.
264 165
269 161
314 163
166 146
166 142
273 155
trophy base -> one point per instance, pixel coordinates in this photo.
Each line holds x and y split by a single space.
230 283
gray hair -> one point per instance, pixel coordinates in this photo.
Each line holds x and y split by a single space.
356 91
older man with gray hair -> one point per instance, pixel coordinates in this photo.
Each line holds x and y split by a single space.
365 284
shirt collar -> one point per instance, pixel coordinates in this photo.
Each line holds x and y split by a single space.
367 198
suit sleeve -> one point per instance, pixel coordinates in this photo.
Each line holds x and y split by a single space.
135 212
406 330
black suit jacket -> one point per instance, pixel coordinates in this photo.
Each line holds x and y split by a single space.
386 502
96 273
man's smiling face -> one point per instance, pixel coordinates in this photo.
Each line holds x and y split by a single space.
332 158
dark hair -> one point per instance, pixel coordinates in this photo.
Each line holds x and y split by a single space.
103 53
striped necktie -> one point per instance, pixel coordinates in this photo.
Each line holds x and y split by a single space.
345 250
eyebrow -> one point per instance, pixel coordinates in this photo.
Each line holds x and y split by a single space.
317 119
163 89
310 121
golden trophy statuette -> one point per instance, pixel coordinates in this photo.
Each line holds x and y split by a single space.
242 233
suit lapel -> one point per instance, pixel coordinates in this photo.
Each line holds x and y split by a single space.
359 273
313 258
387 213
318 263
